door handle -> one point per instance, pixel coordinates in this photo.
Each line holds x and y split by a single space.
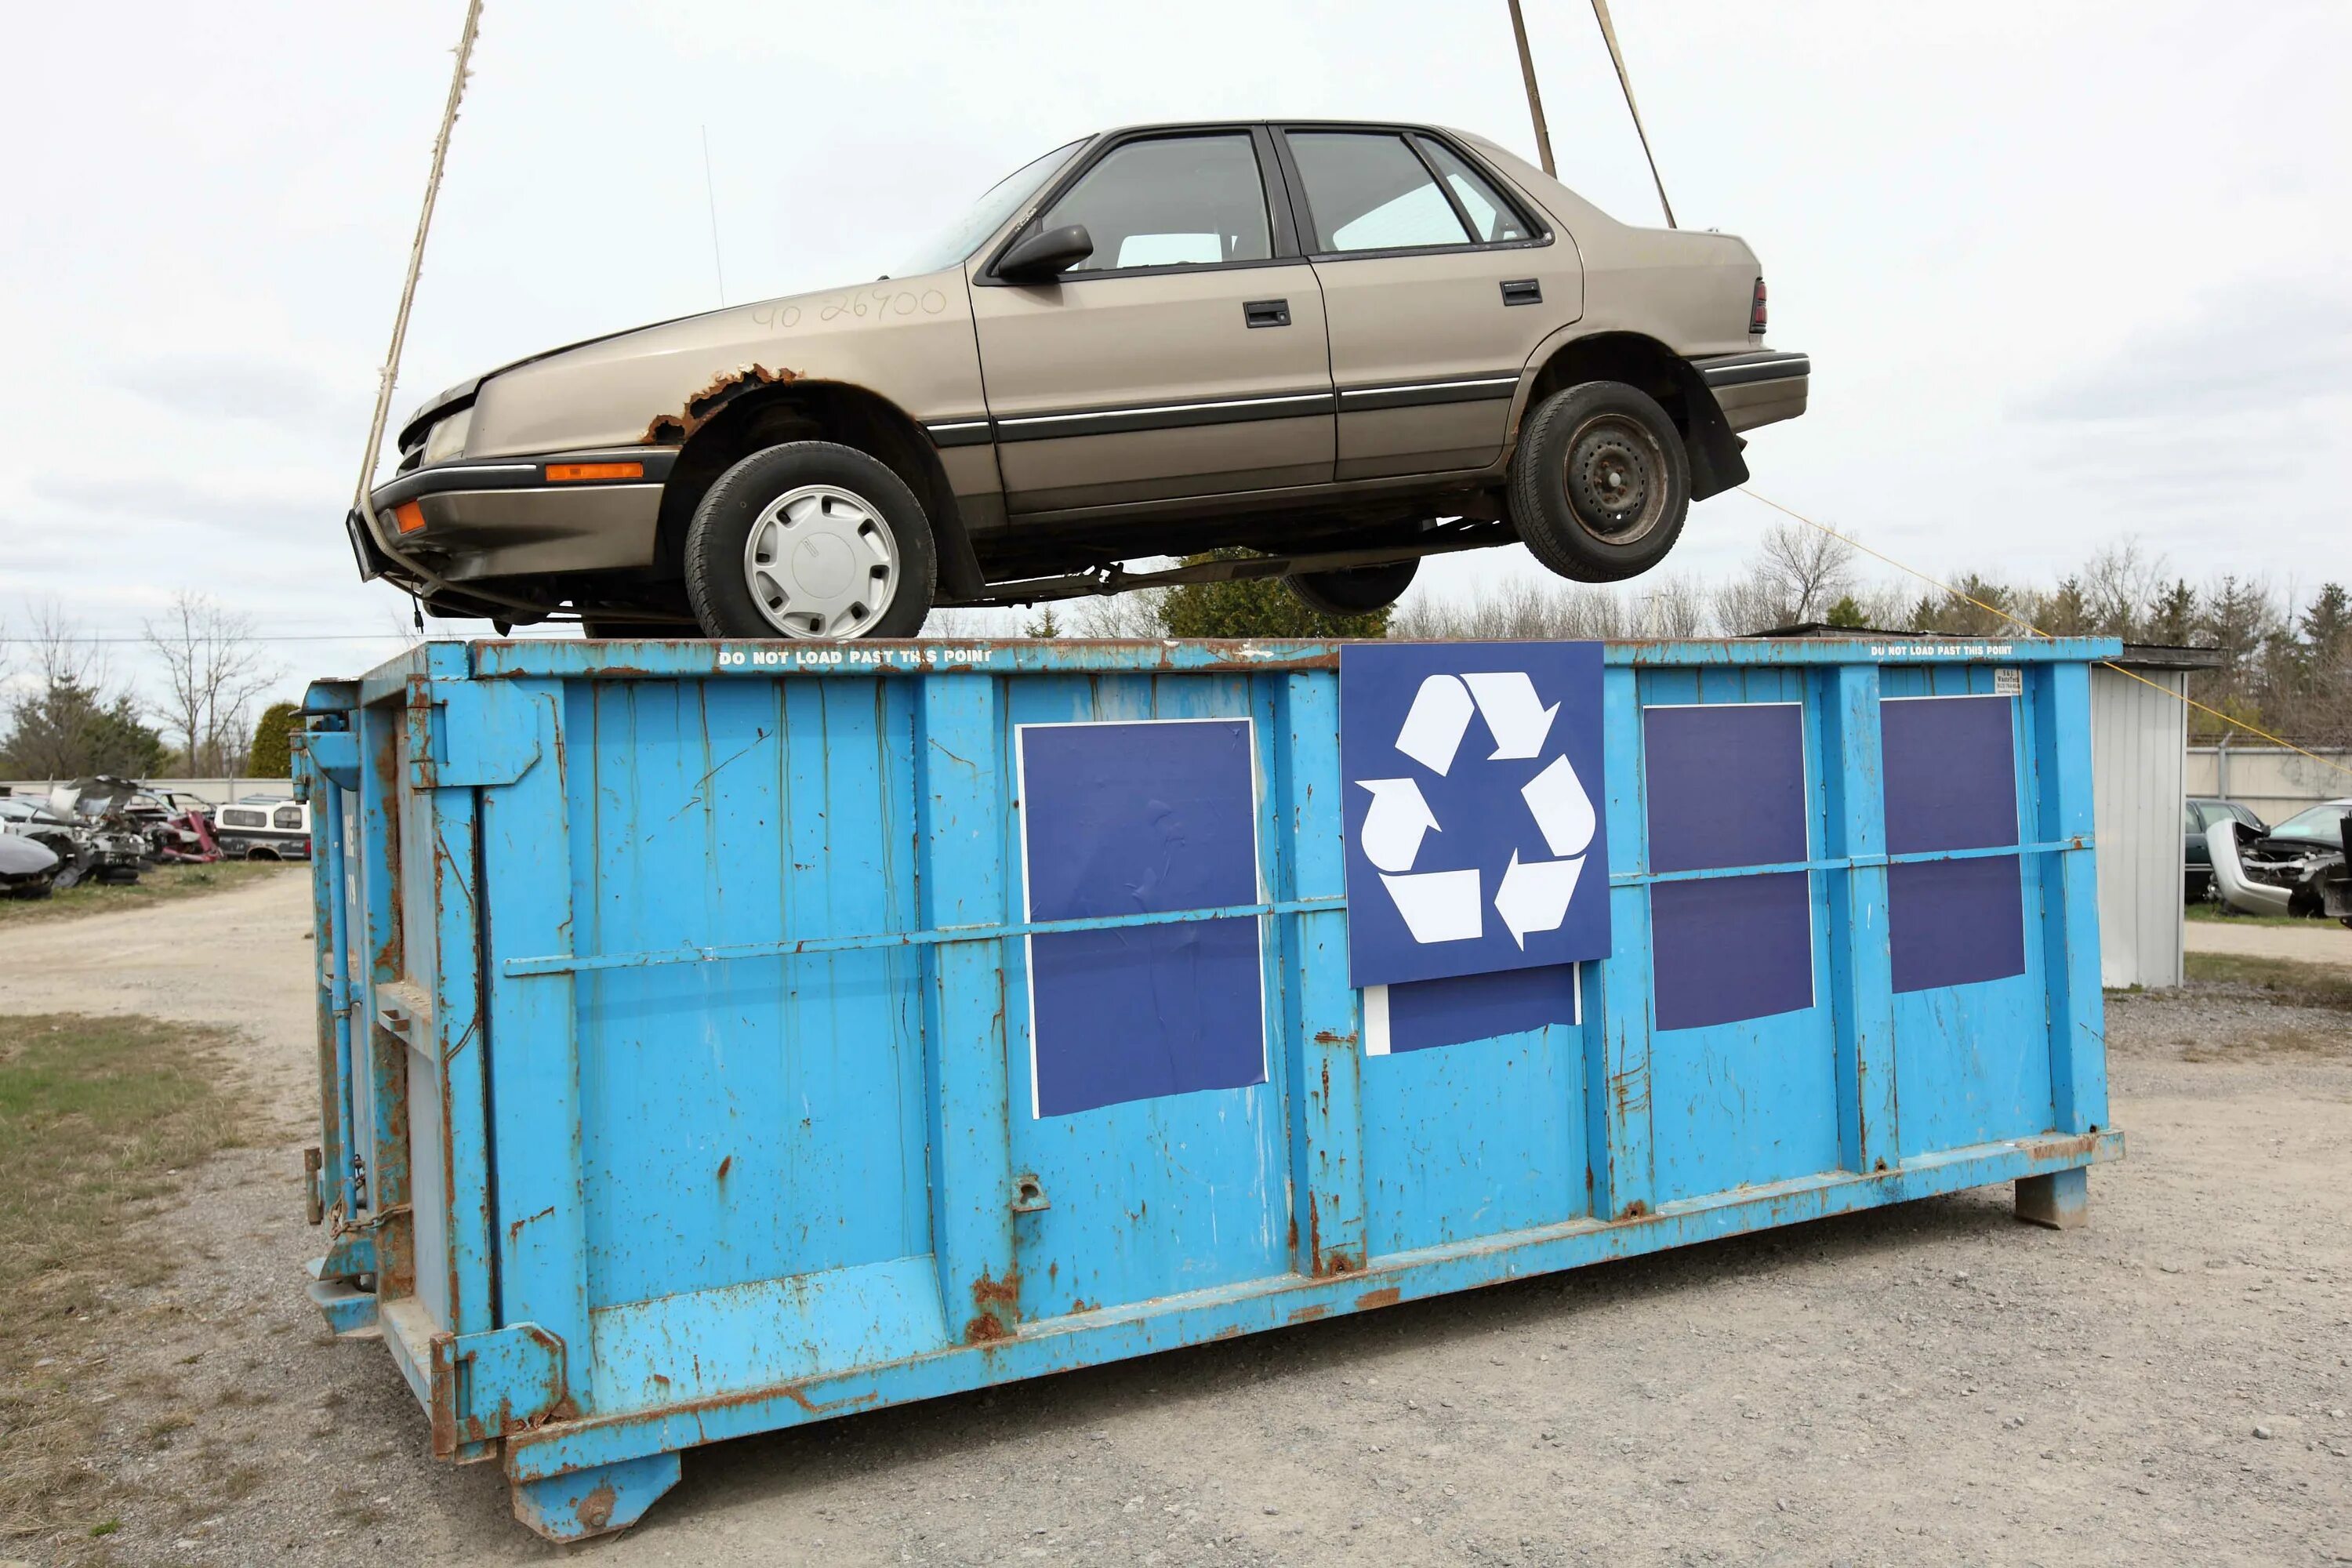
1266 312
1522 291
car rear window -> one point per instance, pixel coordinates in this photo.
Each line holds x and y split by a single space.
1490 215
1368 192
1171 201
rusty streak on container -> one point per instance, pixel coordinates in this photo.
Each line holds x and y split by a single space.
1386 1295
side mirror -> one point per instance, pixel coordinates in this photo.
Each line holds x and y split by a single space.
1046 255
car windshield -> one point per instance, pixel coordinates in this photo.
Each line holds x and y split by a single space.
983 219
2320 822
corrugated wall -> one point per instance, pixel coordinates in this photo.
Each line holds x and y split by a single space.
2139 736
2272 783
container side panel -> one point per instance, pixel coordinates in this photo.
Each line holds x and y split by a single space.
760 1120
1179 1191
1467 1140
1973 1058
1739 1100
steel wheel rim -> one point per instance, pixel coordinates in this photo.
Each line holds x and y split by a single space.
1616 479
821 562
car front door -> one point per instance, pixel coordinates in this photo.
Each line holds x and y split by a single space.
1438 285
1184 357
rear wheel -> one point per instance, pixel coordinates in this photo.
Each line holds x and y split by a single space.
1356 590
810 540
1600 484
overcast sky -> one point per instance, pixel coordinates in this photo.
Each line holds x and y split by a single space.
2070 273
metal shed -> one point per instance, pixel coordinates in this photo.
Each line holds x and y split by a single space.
2139 744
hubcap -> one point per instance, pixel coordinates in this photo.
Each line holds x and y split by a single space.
1616 479
821 562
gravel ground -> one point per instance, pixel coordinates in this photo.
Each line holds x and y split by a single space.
1930 1384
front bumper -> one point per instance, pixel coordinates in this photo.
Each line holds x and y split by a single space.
1759 388
471 520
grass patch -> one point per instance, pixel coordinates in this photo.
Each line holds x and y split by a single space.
97 1118
2214 914
2278 980
156 885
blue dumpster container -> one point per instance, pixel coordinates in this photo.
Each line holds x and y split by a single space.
716 1037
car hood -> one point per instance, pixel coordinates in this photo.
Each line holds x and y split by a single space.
22 857
908 340
450 399
94 796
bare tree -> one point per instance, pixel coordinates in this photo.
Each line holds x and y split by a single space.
1806 568
1673 608
2121 589
214 668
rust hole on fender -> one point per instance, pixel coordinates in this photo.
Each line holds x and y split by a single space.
701 405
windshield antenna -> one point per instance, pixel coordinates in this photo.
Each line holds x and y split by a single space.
710 194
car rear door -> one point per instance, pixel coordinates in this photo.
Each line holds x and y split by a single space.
1438 284
1186 357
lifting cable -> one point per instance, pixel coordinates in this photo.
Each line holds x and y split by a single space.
1617 58
416 255
2034 630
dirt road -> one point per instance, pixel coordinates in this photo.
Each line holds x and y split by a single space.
1934 1384
2311 941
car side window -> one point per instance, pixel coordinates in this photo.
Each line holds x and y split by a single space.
1491 216
2190 820
1171 201
1368 191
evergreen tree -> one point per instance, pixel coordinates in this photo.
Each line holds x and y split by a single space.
1256 607
1846 612
271 756
65 729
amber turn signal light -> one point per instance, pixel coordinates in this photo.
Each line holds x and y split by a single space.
408 517
558 473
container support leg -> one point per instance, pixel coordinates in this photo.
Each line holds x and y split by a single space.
596 1500
2061 1200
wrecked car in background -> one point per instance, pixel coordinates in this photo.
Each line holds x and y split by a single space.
81 823
28 868
2294 868
263 828
1344 346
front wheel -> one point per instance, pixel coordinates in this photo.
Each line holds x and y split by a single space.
810 539
1600 484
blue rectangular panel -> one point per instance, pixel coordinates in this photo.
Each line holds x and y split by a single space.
1468 774
1727 948
1140 818
1951 923
1725 783
1462 1009
1951 771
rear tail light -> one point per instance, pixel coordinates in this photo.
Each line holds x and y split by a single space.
408 517
1756 312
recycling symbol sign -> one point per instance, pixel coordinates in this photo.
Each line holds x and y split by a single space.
1469 773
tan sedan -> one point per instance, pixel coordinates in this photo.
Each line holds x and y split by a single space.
1341 346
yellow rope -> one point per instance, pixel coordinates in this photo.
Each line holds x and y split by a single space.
2037 631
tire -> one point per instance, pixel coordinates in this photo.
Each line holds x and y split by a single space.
1356 590
859 516
1600 484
